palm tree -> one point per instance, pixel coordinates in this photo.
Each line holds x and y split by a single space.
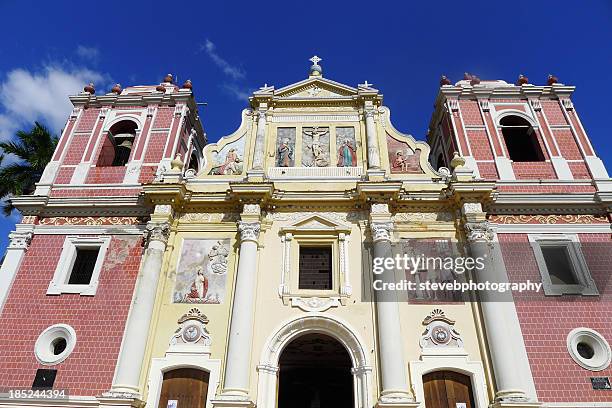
33 150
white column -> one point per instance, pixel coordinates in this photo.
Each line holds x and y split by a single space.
237 367
258 157
129 364
395 391
372 139
506 346
12 261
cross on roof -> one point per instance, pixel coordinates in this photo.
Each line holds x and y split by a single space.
366 84
315 60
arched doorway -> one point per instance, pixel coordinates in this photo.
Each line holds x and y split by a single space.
315 372
448 389
184 388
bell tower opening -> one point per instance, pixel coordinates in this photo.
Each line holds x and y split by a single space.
315 372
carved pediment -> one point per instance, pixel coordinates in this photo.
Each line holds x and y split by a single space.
316 88
316 223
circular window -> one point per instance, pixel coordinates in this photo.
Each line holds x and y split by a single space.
589 349
55 344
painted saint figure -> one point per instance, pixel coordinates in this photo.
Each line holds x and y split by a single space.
347 156
199 287
318 159
231 166
284 154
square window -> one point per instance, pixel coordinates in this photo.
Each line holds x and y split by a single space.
79 266
84 265
315 268
562 266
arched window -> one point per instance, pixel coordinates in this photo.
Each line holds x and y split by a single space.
440 161
193 162
521 140
118 144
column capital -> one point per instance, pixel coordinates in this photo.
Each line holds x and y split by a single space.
479 231
249 230
20 240
157 232
381 231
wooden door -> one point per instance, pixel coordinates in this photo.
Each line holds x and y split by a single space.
187 386
448 389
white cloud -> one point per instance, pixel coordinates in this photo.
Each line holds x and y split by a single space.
228 69
89 53
238 92
27 96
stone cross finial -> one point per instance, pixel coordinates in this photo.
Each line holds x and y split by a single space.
315 60
366 84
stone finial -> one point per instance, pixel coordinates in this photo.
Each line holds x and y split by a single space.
187 84
522 80
89 88
315 68
169 78
116 89
177 163
552 79
444 81
457 161
474 80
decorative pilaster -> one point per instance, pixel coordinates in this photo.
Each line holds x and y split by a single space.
131 357
395 391
235 391
372 138
18 245
258 157
512 372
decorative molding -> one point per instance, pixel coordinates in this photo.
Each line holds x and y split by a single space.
57 221
249 231
251 209
341 217
327 173
439 331
423 217
550 219
380 208
471 208
304 118
209 217
314 304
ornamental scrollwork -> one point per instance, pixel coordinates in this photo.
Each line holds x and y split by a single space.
440 331
549 219
478 232
381 231
158 232
192 329
249 231
20 240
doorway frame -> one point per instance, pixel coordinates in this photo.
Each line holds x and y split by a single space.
290 330
449 362
160 366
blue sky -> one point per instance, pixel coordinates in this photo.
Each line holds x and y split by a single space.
228 49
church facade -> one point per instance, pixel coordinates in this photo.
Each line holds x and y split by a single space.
152 268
